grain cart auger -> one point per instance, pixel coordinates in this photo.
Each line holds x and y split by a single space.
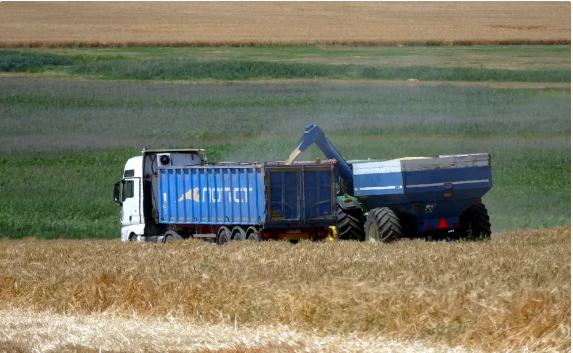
384 200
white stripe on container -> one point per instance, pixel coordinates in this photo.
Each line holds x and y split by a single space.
453 183
380 187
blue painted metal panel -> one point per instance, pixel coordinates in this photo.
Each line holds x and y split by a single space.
211 195
378 184
461 178
432 224
375 190
247 195
319 192
434 209
283 187
302 194
463 183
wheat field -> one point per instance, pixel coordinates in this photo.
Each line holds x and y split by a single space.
513 292
275 23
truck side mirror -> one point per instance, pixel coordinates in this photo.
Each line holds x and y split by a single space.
116 191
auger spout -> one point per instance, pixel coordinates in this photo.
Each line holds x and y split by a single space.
314 134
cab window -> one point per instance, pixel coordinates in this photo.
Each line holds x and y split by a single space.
127 190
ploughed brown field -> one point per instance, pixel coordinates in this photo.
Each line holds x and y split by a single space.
505 294
250 23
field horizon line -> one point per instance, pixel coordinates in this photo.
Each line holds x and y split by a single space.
345 43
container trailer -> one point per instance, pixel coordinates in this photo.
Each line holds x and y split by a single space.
175 194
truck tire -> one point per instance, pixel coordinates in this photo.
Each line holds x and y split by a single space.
474 223
350 225
383 225
238 233
171 236
223 236
252 234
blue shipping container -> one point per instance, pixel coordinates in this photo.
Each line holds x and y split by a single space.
270 194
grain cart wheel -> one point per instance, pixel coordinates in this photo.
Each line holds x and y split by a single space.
383 225
350 224
224 235
252 234
238 233
171 236
474 223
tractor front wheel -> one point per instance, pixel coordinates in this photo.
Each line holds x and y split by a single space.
350 225
383 225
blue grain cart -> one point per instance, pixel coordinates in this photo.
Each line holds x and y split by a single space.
180 196
384 200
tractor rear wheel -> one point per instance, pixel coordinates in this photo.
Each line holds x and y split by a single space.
350 225
474 223
383 225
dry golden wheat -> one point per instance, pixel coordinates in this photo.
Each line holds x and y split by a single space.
27 331
511 292
278 23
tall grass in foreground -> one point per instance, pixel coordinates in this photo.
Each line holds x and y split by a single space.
509 293
28 331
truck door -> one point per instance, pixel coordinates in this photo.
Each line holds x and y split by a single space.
284 194
130 195
318 193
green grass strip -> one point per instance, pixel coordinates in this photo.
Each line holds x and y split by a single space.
12 60
184 69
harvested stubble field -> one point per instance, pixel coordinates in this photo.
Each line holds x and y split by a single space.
345 23
511 293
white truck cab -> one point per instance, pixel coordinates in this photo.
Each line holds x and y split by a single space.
137 190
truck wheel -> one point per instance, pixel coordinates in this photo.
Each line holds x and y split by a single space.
224 235
238 233
171 236
383 225
252 234
474 223
350 225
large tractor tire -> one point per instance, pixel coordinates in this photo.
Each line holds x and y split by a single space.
350 225
474 223
383 225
